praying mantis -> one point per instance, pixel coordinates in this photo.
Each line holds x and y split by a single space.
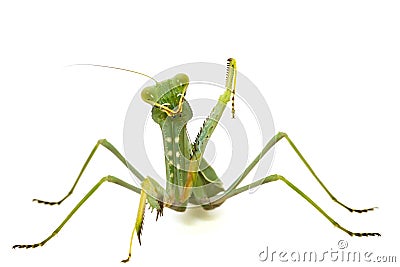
190 180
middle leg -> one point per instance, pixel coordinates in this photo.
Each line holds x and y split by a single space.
267 147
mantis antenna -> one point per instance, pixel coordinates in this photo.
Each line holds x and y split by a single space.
116 68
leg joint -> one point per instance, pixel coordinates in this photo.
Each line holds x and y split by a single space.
101 141
277 177
107 178
281 135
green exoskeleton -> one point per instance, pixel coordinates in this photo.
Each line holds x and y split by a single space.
189 178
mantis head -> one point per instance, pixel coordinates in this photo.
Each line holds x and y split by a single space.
167 97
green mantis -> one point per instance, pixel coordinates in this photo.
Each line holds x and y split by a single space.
190 180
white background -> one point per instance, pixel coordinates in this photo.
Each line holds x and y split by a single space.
329 72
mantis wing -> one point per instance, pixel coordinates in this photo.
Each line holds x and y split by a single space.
206 185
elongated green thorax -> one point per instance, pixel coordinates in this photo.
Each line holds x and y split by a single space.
171 112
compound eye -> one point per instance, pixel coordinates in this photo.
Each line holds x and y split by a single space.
148 95
181 79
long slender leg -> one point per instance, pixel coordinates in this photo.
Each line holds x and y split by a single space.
153 193
111 179
267 147
138 224
277 177
320 182
110 147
